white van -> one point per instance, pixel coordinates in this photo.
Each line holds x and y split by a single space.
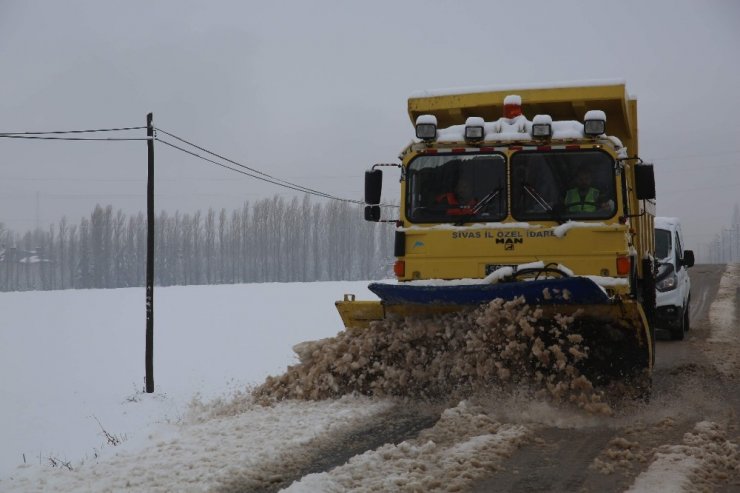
672 281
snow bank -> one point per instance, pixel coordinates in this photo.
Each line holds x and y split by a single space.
705 459
723 344
207 452
722 311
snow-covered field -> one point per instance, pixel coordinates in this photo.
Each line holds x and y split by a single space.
74 417
72 362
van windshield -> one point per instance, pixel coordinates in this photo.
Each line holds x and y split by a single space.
662 244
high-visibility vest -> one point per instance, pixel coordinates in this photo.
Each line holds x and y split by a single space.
575 202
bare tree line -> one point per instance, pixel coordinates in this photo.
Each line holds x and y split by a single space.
270 240
725 247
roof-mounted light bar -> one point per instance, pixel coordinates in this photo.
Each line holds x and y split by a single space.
594 123
542 127
426 127
512 106
474 128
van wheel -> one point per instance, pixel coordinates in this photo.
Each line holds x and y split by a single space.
678 333
687 317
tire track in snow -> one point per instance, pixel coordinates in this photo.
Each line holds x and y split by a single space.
463 446
558 460
397 424
602 458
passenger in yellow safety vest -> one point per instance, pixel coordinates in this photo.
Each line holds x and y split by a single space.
583 197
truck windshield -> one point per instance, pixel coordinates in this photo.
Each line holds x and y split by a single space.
562 185
662 244
455 188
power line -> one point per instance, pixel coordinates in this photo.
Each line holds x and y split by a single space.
254 173
266 177
71 138
213 153
262 178
251 172
120 129
46 134
195 154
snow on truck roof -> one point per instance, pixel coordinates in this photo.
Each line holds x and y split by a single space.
566 103
516 129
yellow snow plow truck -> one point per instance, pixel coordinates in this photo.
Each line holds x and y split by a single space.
533 193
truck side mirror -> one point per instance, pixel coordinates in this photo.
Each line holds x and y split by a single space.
645 181
373 186
688 258
372 213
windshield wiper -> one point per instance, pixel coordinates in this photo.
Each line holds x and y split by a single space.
540 200
479 206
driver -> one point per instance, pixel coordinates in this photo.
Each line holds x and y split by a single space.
461 200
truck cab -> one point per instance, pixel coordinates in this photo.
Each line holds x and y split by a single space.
489 185
672 282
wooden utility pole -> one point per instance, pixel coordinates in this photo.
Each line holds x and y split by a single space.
149 357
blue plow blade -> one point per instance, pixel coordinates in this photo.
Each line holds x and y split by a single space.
562 291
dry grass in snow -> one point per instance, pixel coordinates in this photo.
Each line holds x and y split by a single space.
235 441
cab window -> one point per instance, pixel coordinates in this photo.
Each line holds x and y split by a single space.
562 185
456 188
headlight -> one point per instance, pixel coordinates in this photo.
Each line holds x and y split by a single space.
426 127
541 130
474 128
668 283
594 123
542 127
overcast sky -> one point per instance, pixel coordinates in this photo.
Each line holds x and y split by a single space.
315 91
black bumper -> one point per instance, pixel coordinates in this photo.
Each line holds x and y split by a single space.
668 317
